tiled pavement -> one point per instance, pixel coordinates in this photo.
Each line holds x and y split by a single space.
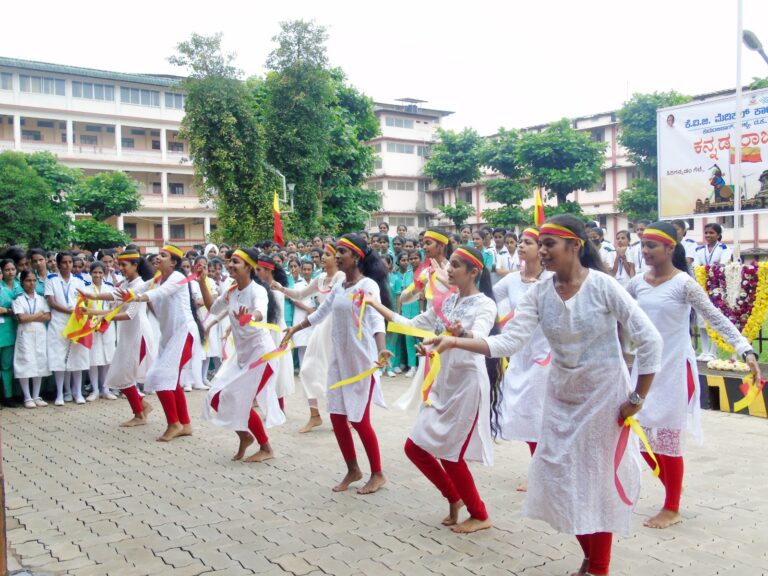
86 498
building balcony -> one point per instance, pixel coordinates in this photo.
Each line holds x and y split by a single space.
153 245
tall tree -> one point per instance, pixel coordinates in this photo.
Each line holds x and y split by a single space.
226 142
63 180
512 187
31 212
458 212
561 160
455 158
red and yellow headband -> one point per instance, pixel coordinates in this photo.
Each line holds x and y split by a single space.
532 232
129 256
352 246
330 248
561 231
659 236
244 257
469 257
436 236
266 264
171 249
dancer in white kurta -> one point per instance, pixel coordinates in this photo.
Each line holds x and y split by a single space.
314 367
572 484
65 358
245 376
30 355
666 293
103 343
180 339
358 347
525 379
454 422
431 283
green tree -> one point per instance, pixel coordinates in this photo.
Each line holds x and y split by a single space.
455 158
458 213
638 127
91 234
640 200
64 181
226 143
513 187
561 159
758 83
31 212
107 194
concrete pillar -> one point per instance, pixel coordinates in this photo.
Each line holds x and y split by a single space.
17 131
163 144
70 137
206 227
166 229
119 140
164 186
120 223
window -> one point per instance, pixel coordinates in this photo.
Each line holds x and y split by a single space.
130 229
399 148
438 199
176 146
175 188
422 151
600 186
423 185
137 132
466 195
157 188
598 135
63 137
45 123
399 122
377 163
173 100
727 221
602 219
631 176
89 140
407 185
378 185
104 92
177 231
128 143
139 97
155 144
92 128
110 129
377 147
31 135
6 81
41 85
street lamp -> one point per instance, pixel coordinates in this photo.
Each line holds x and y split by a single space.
752 42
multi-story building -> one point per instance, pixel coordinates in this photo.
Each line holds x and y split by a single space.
101 121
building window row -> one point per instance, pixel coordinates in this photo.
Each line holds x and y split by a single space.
406 185
92 91
174 100
395 122
399 148
41 85
140 97
6 81
377 185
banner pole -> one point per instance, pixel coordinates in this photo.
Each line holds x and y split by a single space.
737 135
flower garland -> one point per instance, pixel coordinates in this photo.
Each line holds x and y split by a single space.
750 302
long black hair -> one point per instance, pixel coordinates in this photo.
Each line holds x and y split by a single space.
277 271
492 365
679 260
253 254
192 306
372 267
448 246
144 268
588 254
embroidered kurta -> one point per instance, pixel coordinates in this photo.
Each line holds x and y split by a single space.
63 354
571 478
350 355
30 357
235 382
103 345
525 380
460 395
283 366
673 403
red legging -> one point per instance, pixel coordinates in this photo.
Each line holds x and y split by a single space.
134 399
255 426
453 479
597 549
173 401
366 433
671 475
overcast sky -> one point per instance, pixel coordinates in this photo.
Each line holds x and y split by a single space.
493 62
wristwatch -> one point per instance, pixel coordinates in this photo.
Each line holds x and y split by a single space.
747 353
635 399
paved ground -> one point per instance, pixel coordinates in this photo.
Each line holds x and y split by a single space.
87 498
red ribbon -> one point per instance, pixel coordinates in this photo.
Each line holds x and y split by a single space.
621 447
244 319
546 360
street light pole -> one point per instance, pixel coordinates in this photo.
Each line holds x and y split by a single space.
752 42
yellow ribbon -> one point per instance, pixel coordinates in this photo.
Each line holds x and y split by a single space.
360 321
266 325
276 353
353 379
637 429
407 330
434 357
750 396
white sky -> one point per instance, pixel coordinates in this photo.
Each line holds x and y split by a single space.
493 62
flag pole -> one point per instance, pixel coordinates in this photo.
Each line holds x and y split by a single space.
737 135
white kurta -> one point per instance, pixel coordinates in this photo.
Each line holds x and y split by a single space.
314 368
103 345
525 381
30 356
170 302
63 354
571 478
212 344
283 367
128 366
460 395
350 355
673 402
302 338
236 383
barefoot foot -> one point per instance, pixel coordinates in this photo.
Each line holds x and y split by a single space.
173 431
523 486
138 420
313 422
186 430
453 513
471 525
146 407
352 476
664 519
261 456
583 570
375 482
245 441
